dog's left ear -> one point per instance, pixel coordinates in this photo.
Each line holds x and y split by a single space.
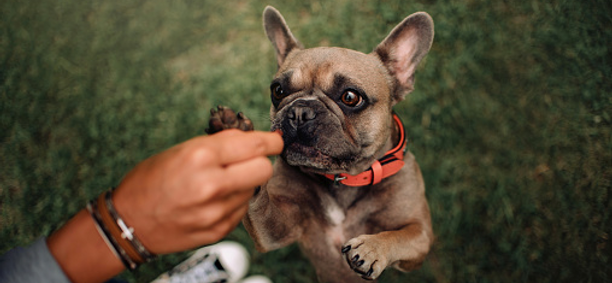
279 34
404 48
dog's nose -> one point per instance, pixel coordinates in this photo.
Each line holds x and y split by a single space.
300 115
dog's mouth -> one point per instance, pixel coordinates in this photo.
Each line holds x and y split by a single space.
312 159
308 152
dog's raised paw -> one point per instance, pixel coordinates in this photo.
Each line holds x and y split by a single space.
363 255
223 118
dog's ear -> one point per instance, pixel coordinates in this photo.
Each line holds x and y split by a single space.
404 48
279 34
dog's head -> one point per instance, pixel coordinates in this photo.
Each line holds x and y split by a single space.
334 105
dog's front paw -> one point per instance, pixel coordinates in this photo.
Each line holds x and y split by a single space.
364 255
222 118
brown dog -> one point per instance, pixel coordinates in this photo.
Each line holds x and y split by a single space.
343 187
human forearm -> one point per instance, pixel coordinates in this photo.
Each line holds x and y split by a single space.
73 245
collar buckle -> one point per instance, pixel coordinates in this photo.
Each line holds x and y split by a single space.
338 179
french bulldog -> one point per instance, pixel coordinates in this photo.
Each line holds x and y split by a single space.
344 188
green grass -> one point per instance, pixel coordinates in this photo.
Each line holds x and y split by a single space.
511 118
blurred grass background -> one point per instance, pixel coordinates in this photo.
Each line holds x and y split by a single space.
510 119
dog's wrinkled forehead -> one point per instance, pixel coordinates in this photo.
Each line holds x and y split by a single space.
328 68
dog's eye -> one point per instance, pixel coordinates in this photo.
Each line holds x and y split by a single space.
277 91
351 98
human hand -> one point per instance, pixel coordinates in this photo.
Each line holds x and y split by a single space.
196 192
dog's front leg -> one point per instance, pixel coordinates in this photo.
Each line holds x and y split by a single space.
273 220
404 249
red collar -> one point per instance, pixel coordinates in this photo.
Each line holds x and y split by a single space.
388 165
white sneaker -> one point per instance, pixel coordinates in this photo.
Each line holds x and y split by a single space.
223 262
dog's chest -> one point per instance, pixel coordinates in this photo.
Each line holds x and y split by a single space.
344 218
335 231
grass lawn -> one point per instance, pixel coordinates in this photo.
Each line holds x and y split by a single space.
510 120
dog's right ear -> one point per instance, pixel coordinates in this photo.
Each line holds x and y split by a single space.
279 34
